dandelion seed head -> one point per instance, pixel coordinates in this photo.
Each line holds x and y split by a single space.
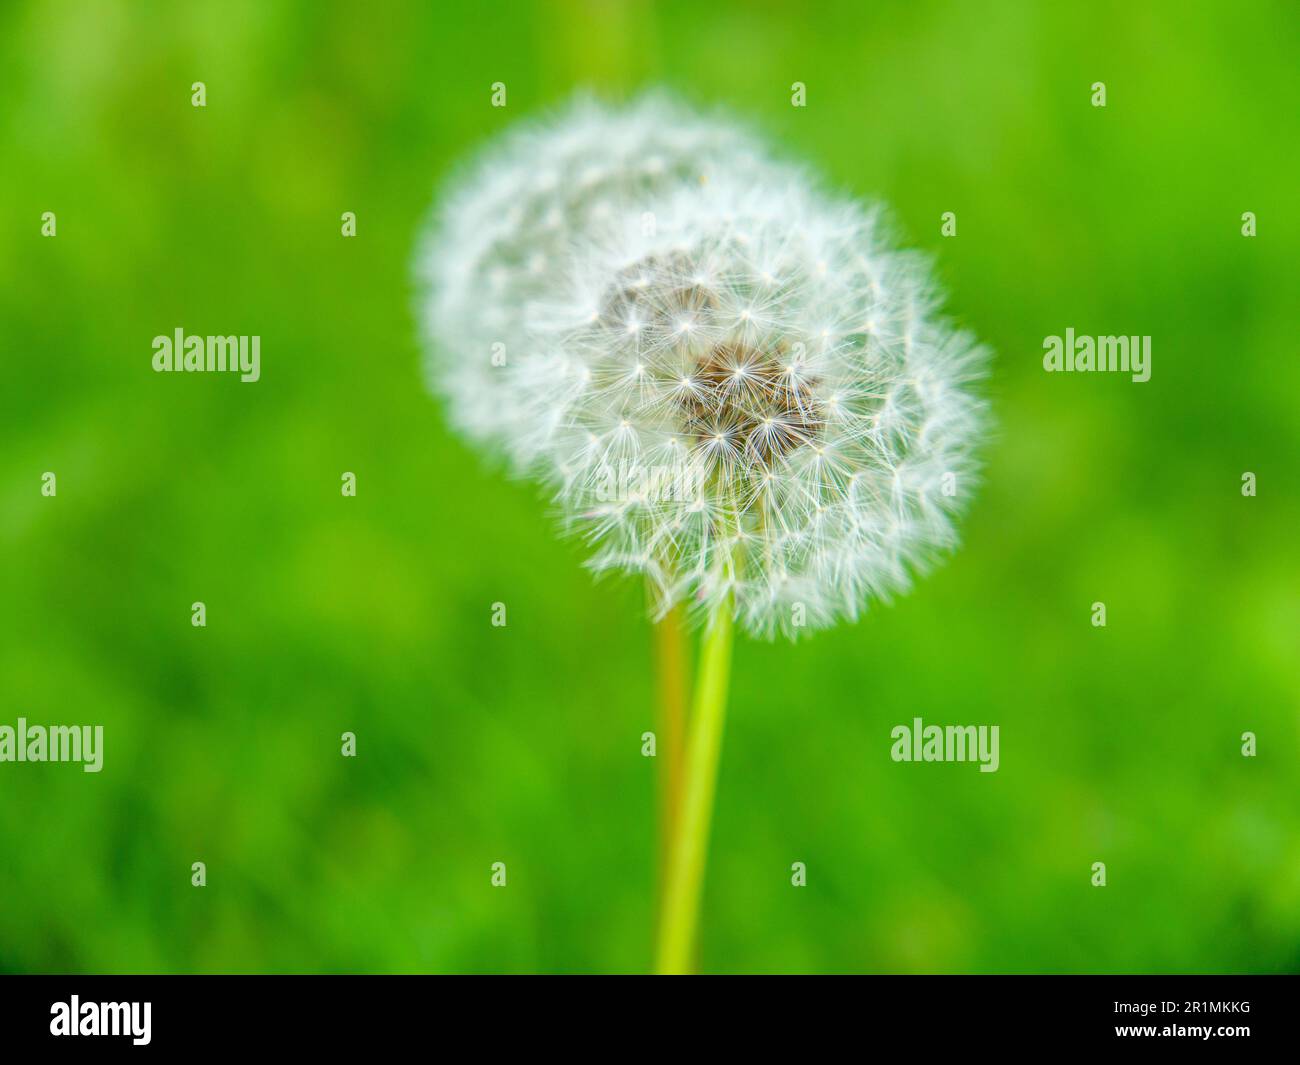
766 364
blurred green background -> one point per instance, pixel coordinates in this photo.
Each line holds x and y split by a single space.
479 744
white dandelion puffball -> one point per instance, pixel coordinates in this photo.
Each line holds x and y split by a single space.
730 380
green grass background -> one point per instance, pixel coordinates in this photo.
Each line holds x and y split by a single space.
478 744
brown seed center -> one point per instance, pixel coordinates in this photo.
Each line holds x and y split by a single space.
746 399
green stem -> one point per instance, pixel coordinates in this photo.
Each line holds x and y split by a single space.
689 844
670 727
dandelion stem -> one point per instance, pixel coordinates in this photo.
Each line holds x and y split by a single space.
689 844
670 656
